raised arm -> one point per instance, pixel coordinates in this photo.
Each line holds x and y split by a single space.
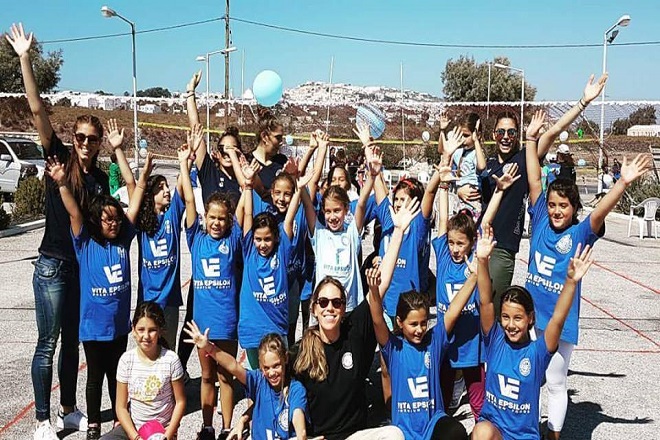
321 140
301 184
478 150
444 124
249 171
532 157
577 268
591 92
136 198
503 183
375 160
21 45
376 305
485 245
184 181
193 115
441 179
364 134
225 360
116 141
310 212
56 172
629 173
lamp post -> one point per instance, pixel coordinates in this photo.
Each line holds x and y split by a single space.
522 94
109 13
608 37
205 58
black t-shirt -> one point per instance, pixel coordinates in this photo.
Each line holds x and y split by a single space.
269 172
212 179
509 220
57 242
567 172
338 405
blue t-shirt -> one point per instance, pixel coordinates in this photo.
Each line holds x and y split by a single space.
411 270
105 284
465 162
467 348
159 276
513 384
264 292
214 278
297 262
272 417
415 376
550 253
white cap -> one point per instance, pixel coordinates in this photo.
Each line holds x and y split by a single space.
563 149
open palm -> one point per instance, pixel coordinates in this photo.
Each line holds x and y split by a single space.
18 40
593 89
115 137
635 169
580 263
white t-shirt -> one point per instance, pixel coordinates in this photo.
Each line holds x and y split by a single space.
337 256
150 385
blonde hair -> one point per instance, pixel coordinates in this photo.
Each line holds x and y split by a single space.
311 356
273 343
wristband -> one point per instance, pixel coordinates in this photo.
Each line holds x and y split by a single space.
444 185
531 139
582 104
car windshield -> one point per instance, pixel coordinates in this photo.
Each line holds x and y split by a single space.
26 150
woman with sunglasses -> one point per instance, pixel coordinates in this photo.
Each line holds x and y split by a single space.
56 275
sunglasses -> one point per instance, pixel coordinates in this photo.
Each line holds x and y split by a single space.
336 302
278 137
91 139
221 151
112 220
500 132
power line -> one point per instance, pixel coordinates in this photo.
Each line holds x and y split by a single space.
355 38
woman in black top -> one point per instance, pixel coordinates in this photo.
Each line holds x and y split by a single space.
56 278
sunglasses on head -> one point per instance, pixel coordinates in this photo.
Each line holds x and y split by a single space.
500 132
91 139
336 302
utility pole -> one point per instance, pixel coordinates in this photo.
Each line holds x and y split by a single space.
227 38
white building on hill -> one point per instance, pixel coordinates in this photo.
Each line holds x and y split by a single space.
644 130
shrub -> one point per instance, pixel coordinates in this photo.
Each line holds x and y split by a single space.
29 199
639 190
5 218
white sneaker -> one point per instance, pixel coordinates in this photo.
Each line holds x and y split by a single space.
74 420
45 431
458 393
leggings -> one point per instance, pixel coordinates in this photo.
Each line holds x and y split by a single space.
555 379
474 383
102 360
184 349
448 428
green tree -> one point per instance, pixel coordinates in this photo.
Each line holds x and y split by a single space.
46 68
589 127
154 92
643 116
466 80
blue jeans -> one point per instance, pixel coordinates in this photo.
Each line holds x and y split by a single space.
57 306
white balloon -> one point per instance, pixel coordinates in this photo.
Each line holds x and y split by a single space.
426 136
143 153
563 136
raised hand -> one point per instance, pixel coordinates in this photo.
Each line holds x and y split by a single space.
196 337
115 137
148 166
406 213
249 170
291 167
195 137
373 278
536 124
444 171
194 81
323 139
363 133
374 158
18 41
184 152
580 263
508 178
55 170
593 89
444 121
302 181
635 169
452 141
485 242
475 133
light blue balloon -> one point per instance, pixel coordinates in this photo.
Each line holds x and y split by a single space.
288 139
143 143
267 88
373 117
582 162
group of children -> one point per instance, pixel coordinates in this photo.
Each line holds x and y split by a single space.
275 241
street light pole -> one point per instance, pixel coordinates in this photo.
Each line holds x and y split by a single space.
623 21
109 13
522 94
227 42
488 93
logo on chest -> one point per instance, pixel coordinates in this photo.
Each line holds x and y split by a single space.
525 367
564 245
347 360
223 248
283 419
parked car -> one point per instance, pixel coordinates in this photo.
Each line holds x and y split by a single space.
19 159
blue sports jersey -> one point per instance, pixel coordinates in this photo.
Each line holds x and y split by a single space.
105 284
214 280
415 376
514 375
264 292
159 277
297 262
550 253
410 272
273 413
467 348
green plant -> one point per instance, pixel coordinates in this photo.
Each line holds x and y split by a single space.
29 199
639 190
5 217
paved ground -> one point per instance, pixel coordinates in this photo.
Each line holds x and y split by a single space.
612 379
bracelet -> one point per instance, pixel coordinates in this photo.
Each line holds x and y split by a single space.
582 104
443 185
137 437
143 187
531 139
189 94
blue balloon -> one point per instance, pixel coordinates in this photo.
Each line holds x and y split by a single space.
143 143
582 162
288 139
267 88
373 117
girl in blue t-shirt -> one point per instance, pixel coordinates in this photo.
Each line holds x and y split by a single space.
280 402
102 245
267 252
556 231
413 356
517 364
454 243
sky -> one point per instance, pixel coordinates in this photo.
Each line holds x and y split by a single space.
167 58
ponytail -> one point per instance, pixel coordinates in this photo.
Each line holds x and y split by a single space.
311 357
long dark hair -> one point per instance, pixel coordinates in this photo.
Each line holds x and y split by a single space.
75 176
147 217
96 208
151 310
